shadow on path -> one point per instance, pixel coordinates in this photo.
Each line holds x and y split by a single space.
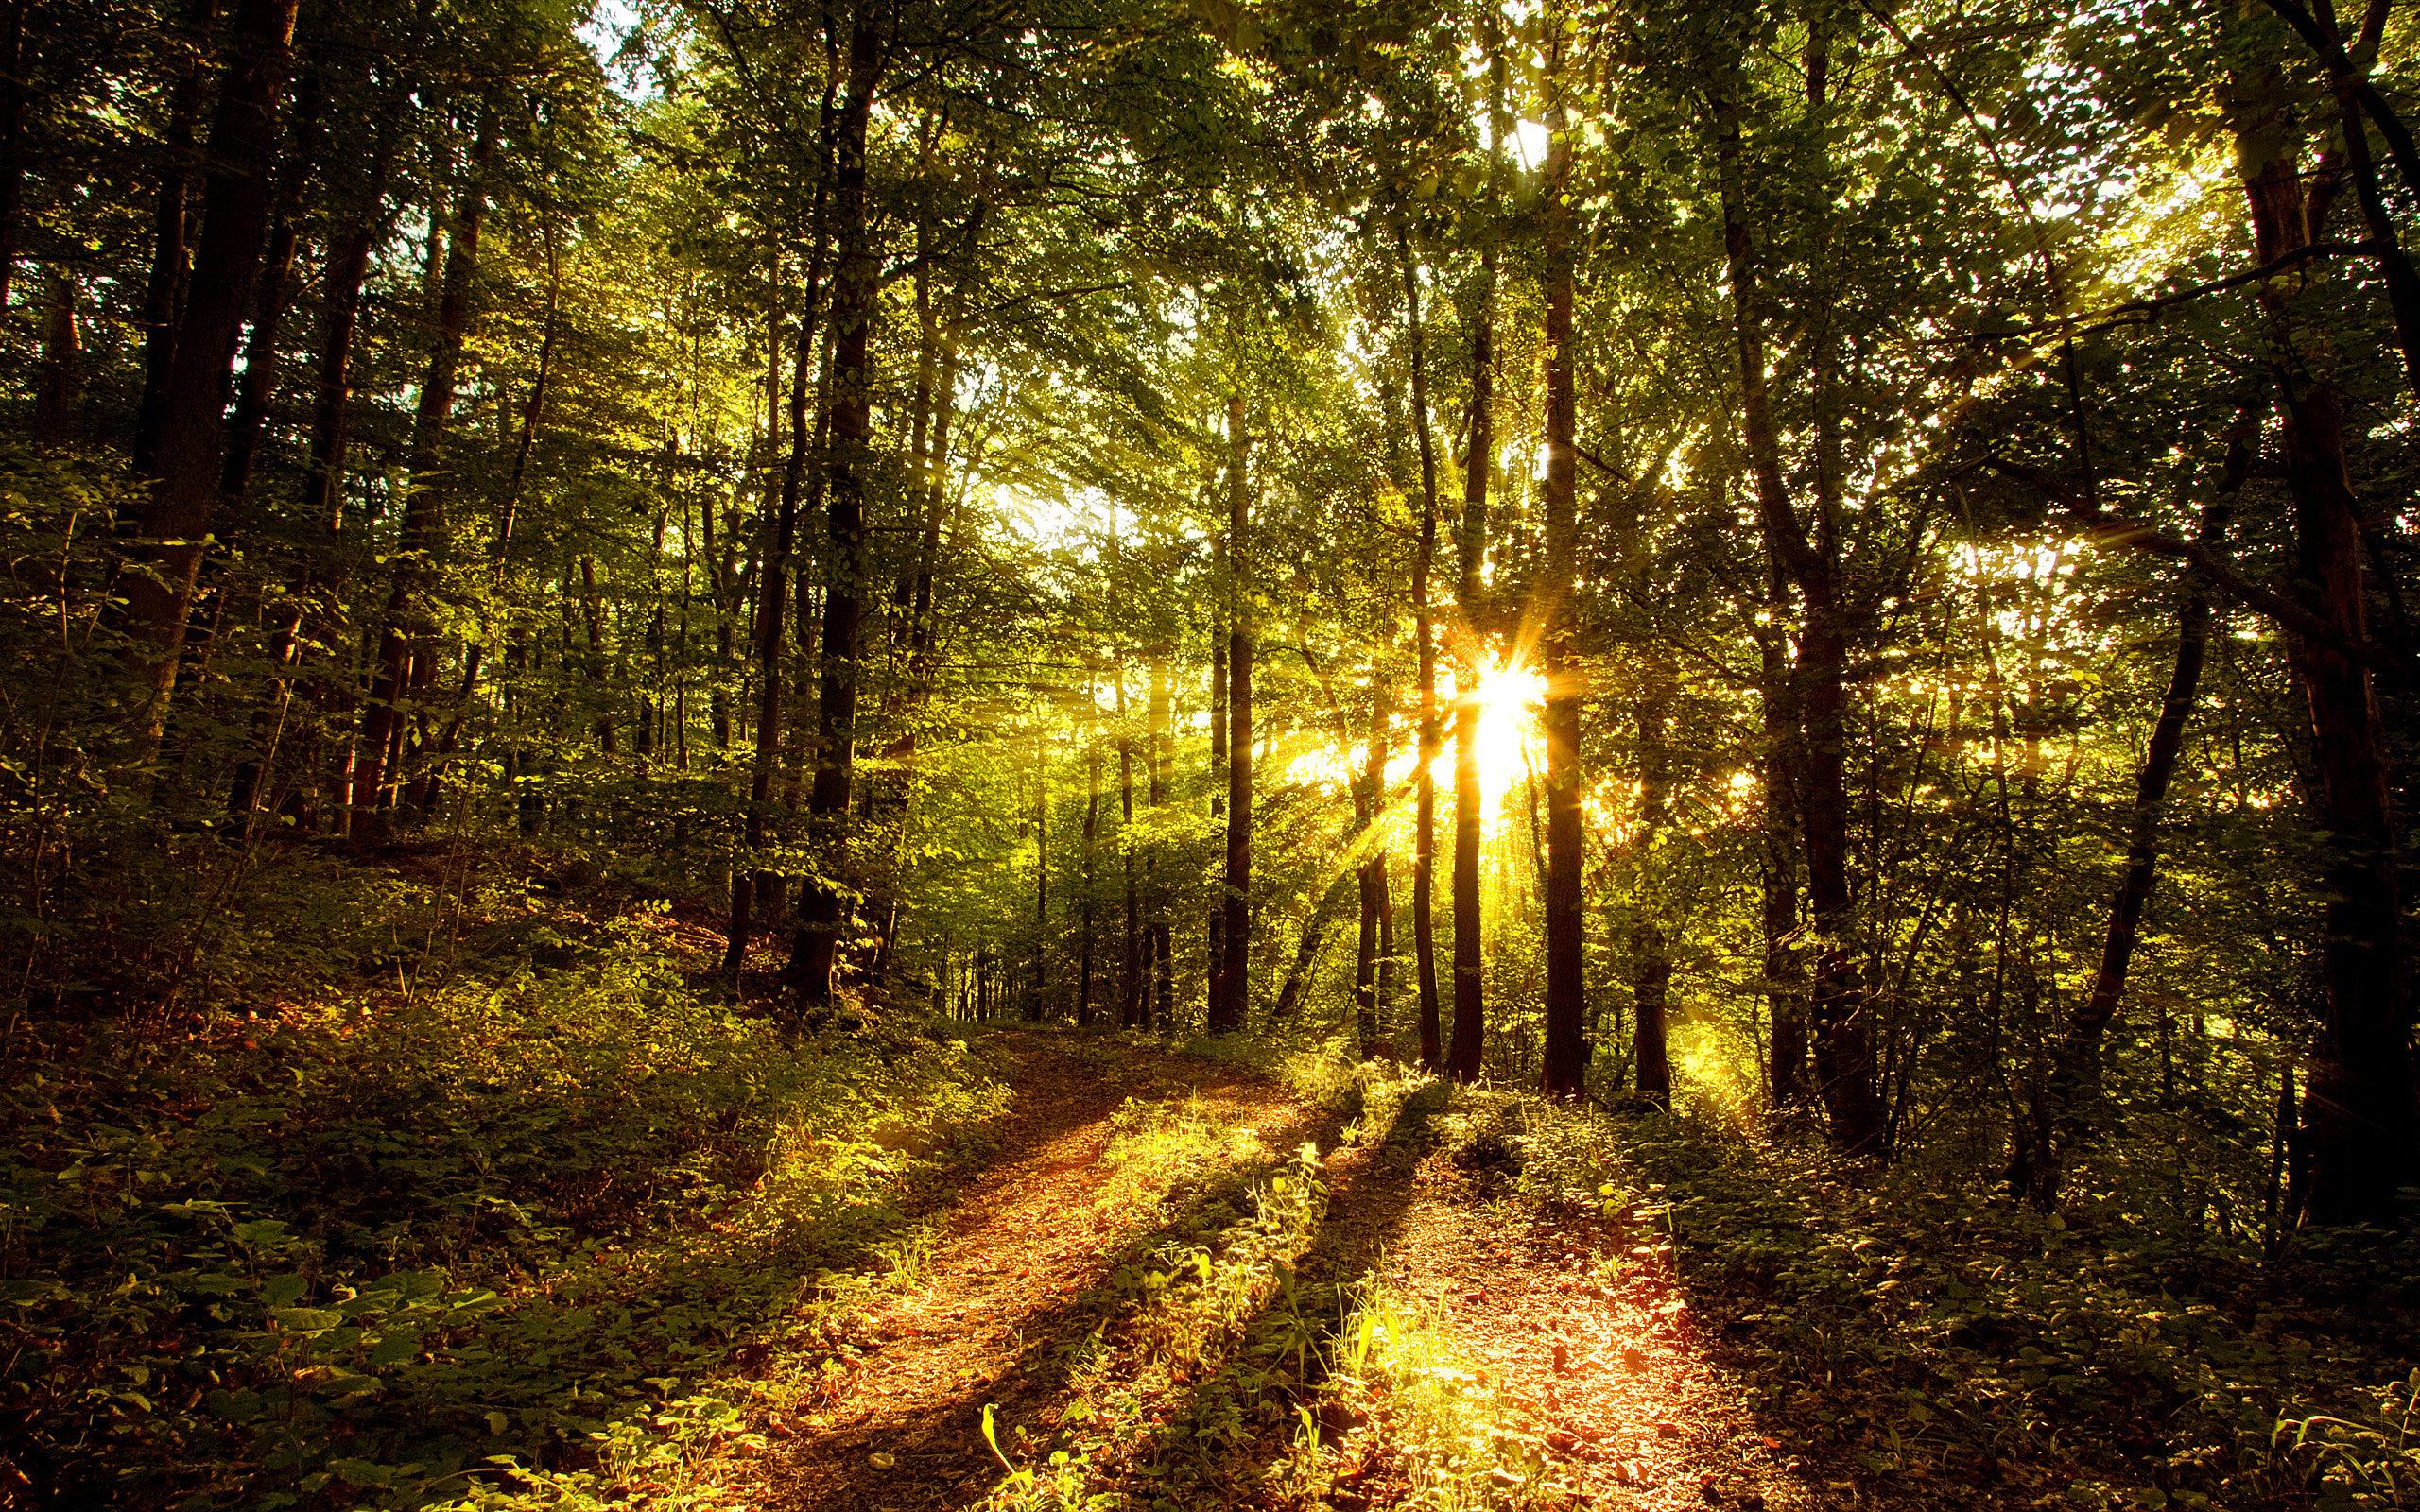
1014 1280
1216 1438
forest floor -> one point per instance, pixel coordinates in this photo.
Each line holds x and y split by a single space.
1018 1252
1575 1325
1188 1284
447 1194
1571 1341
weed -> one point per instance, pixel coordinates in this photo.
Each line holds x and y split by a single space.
1396 1391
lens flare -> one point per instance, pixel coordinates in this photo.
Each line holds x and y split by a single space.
1508 697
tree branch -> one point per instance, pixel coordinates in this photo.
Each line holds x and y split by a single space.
2104 528
2147 310
2349 75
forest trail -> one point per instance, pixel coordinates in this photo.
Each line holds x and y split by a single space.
1575 1328
1002 1291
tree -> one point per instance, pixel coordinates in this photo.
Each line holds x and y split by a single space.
1565 1066
189 453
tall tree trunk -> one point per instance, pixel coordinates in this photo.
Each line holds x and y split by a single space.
1387 966
1159 999
1371 945
1084 902
855 287
756 891
1565 1067
1215 931
262 359
1651 951
174 522
2357 1114
1432 732
887 803
600 668
1781 858
1039 1007
1844 1057
163 291
1463 1057
407 637
936 402
1132 989
1230 1006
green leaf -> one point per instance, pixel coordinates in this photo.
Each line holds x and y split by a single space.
260 1233
28 1292
361 1472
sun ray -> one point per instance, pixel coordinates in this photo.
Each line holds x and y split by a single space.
1510 695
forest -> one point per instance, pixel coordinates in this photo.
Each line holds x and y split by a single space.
1084 755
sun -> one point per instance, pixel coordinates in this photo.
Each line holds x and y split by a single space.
1508 698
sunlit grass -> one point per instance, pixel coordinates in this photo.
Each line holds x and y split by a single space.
1206 1323
1400 1395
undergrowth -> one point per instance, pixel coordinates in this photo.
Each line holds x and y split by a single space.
1163 1370
1926 1345
1397 1391
516 1234
1913 1335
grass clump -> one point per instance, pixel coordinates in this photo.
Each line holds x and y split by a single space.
1399 1402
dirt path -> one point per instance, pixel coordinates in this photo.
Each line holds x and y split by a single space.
1596 1362
998 1297
1576 1327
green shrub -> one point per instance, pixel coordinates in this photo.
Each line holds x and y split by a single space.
373 1243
